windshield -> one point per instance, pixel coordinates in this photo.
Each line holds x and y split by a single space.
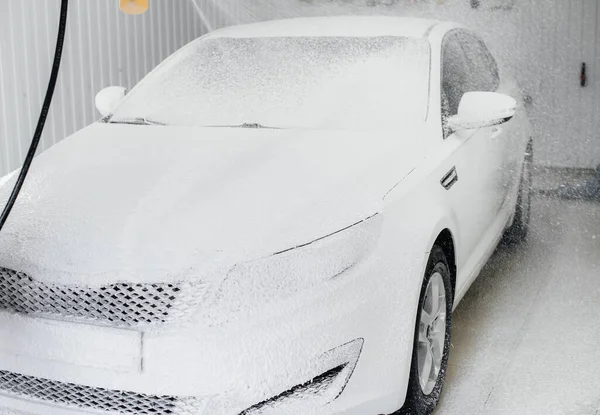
292 82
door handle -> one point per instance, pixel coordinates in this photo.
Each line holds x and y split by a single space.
449 178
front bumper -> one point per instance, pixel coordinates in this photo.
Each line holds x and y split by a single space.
303 398
269 359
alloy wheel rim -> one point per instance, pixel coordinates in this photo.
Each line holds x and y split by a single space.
432 333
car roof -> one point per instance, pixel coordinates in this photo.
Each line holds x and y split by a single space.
338 26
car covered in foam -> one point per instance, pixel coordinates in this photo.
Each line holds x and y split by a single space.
279 219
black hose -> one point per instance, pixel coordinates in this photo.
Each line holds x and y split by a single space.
43 115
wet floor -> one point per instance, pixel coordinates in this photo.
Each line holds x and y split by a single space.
526 337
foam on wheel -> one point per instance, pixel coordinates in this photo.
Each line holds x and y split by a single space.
432 337
517 232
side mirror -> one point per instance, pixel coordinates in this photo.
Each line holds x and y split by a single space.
109 99
482 109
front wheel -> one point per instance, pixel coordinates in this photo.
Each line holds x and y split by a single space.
432 337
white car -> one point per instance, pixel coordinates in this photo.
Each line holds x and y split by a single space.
279 219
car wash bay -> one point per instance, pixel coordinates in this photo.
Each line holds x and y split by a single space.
525 336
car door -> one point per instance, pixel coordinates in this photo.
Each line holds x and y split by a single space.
469 171
505 138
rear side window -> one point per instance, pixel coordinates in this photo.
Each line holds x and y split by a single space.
482 67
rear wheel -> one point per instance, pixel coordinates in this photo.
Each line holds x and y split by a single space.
432 337
520 227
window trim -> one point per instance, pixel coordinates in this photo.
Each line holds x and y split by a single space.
445 40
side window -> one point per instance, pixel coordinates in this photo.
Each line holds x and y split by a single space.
455 80
482 67
467 65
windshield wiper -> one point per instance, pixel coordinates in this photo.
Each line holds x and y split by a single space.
255 125
137 121
246 125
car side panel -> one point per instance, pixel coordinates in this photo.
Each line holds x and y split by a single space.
500 183
415 212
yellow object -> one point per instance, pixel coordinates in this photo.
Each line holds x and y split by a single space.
134 6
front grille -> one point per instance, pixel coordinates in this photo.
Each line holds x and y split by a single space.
97 399
121 304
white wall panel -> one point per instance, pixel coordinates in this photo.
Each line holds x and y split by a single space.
103 47
545 42
558 36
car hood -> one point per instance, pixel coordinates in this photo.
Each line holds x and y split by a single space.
151 203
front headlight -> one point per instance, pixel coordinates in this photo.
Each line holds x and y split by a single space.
287 272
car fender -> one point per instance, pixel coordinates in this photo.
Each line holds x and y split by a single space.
414 217
419 212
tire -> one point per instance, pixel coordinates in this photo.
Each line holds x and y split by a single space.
424 395
519 229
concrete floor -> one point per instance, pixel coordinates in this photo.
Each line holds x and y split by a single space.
526 338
